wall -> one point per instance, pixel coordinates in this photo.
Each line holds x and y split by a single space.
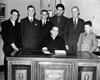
21 5
1 42
89 10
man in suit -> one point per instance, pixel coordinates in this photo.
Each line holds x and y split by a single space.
87 40
53 42
45 25
29 30
59 20
10 36
75 27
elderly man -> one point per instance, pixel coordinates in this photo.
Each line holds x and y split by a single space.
75 28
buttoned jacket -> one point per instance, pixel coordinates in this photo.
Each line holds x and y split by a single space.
87 42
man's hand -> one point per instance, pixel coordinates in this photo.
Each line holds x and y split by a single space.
45 50
14 47
13 53
67 48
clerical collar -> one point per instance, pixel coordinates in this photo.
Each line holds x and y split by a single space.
53 37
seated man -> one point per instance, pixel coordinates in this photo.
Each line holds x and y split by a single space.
53 42
87 40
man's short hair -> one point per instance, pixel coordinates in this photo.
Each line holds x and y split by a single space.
75 7
45 11
88 23
30 6
14 10
60 5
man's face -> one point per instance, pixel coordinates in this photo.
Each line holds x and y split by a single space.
59 11
54 31
14 16
44 15
75 12
31 12
87 28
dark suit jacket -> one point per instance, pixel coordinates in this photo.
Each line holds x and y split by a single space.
73 33
29 32
62 25
57 44
44 30
10 34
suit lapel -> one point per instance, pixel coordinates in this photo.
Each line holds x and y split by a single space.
28 20
62 21
78 22
10 23
72 22
41 22
55 20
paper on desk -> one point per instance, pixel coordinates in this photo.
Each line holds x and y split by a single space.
60 52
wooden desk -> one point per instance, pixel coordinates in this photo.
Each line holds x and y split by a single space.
83 66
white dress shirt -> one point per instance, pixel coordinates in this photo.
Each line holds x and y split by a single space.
43 22
30 19
13 22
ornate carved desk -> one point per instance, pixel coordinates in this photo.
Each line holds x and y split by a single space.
82 66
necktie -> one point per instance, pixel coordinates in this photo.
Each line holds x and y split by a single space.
44 22
75 23
31 20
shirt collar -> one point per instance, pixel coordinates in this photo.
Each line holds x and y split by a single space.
13 22
75 19
30 18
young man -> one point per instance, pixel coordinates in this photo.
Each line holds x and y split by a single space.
45 25
53 42
87 40
75 27
10 36
60 20
29 29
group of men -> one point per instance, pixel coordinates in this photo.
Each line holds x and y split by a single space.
57 32
30 33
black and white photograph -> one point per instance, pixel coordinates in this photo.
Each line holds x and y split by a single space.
49 39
